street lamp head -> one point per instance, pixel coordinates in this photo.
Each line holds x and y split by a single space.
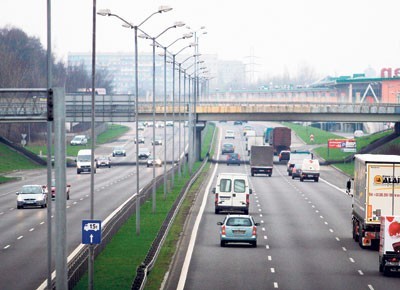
144 36
179 24
187 35
164 8
104 12
128 25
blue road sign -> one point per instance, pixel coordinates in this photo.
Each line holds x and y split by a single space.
91 231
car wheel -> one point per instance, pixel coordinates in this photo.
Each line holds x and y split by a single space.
301 179
223 243
216 211
246 211
227 164
19 207
292 177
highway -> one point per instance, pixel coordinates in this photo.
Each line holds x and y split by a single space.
304 240
23 239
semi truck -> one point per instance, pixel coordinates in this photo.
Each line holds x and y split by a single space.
376 193
389 245
261 160
280 139
253 141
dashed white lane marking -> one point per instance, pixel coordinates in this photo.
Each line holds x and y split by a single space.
32 229
331 230
269 258
265 238
20 237
370 287
41 223
317 211
272 270
344 249
259 209
81 199
276 285
6 247
261 215
352 260
1 213
262 221
321 216
267 247
326 223
360 272
337 239
263 229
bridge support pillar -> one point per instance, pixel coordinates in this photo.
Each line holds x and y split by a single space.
199 127
397 128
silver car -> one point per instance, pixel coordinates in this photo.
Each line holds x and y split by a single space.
238 229
32 195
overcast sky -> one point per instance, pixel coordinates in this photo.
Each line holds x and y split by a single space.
338 37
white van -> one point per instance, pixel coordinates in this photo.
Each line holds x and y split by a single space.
232 193
310 170
83 161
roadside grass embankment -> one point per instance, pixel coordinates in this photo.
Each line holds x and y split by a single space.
337 156
11 160
115 267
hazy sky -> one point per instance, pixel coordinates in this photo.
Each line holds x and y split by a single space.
338 37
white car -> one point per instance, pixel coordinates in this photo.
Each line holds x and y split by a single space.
79 140
154 162
141 139
160 125
118 151
169 123
144 153
157 141
230 134
103 161
32 195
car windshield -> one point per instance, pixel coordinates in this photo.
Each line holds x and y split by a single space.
31 190
228 145
118 148
239 221
83 158
233 155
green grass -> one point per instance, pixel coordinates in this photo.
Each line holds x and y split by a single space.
115 267
321 137
12 160
113 132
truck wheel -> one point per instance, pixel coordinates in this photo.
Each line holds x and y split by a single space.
355 237
78 172
292 177
380 267
252 173
216 211
269 175
301 179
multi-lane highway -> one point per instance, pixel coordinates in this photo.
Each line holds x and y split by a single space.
304 240
23 238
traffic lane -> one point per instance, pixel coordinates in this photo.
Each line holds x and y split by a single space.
233 267
334 209
302 251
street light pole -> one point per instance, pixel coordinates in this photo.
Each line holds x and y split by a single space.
136 27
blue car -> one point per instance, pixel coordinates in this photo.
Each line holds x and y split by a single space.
233 158
238 229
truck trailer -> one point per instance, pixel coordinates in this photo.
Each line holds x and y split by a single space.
376 193
253 141
389 245
280 139
261 160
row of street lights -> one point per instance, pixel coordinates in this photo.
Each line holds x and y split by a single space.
192 155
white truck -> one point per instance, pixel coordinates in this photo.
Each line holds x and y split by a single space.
83 161
389 245
232 193
376 193
253 141
261 160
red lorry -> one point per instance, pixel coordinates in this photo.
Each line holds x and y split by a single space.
280 139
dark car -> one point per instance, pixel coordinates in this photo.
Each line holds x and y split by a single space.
233 158
296 171
237 123
284 155
228 148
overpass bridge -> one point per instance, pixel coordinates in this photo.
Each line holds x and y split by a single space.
31 107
